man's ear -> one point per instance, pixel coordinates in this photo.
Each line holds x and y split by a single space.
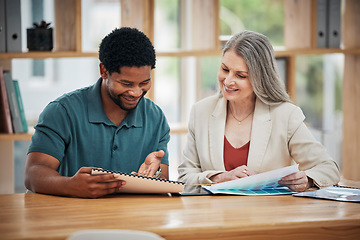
103 72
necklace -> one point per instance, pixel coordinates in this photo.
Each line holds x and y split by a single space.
239 121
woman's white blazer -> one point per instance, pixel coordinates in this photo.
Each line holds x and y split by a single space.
279 138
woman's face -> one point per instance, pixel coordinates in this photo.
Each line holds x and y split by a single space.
233 77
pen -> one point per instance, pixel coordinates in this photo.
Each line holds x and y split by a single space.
201 184
157 174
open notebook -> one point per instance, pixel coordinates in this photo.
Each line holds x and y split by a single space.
265 183
142 184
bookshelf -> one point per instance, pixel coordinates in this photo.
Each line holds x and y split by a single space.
299 21
300 35
351 108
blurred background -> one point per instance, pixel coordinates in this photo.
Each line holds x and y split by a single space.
185 72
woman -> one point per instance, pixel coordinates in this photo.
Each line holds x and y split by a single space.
251 126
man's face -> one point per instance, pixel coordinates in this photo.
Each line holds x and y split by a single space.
127 88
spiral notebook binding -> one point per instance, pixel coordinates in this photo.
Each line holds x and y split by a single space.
139 176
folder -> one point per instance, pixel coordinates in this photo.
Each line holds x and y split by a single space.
2 27
13 25
322 25
334 27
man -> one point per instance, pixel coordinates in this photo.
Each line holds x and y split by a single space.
108 125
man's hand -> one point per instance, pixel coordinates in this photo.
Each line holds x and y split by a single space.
151 164
41 177
94 186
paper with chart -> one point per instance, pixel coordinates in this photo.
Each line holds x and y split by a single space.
259 184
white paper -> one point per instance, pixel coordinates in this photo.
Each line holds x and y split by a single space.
258 181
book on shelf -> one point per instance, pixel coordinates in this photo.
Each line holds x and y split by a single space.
13 103
12 114
142 184
5 115
265 183
20 106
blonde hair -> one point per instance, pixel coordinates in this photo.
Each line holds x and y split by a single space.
258 54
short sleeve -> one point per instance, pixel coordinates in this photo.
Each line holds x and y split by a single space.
52 132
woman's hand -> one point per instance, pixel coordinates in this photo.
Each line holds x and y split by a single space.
239 172
297 182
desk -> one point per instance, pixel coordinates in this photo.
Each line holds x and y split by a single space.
37 216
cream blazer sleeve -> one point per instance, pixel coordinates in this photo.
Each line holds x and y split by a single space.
279 138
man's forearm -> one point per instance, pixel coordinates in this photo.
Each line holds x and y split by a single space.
42 179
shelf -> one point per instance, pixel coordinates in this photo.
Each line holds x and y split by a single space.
279 52
47 54
15 137
189 53
316 51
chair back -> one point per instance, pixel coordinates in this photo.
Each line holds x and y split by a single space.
113 234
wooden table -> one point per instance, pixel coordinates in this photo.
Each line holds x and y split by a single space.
37 216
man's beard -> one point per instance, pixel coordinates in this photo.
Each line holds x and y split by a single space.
117 100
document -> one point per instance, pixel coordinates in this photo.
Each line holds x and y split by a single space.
265 183
143 184
338 193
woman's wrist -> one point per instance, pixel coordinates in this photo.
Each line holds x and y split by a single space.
216 178
221 177
213 178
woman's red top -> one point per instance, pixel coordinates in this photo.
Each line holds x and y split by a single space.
235 157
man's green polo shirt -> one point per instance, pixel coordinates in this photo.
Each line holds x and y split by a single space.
75 129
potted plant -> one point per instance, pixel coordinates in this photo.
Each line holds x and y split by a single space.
40 37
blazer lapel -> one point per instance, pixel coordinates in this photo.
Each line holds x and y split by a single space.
216 134
260 135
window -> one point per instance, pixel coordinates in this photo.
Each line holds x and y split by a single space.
319 94
98 18
167 87
167 25
263 16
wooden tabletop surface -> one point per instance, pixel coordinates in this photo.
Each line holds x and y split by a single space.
37 216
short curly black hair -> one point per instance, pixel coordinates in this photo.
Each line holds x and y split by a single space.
126 47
